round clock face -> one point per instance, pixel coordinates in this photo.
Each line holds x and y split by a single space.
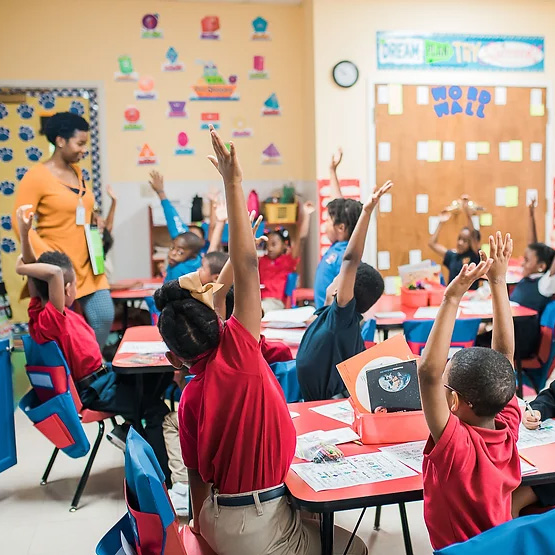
345 74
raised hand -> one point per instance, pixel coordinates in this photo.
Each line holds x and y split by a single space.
500 251
444 216
336 161
24 219
532 205
255 227
467 276
309 208
156 182
111 193
226 162
372 202
221 210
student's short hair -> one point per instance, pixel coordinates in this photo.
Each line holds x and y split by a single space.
543 252
192 241
369 287
216 261
64 124
484 378
200 228
345 211
55 258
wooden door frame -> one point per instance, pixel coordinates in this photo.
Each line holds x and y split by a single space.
448 78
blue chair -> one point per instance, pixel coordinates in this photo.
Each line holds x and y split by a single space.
418 331
8 457
529 535
290 286
368 330
286 374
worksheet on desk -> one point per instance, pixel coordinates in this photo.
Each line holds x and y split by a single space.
411 454
352 471
143 347
342 411
533 438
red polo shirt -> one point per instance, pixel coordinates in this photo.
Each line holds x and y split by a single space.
274 351
273 274
71 333
469 476
234 425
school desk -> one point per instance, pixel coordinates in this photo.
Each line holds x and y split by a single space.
126 296
392 492
138 334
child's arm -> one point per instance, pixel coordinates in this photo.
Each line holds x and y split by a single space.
474 243
335 189
532 231
53 275
199 492
219 216
434 357
355 248
303 226
175 224
432 243
503 337
242 251
25 224
112 212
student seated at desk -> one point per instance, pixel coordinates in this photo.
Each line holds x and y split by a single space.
52 286
471 463
335 334
237 436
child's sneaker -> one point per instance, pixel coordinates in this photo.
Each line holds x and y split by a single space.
118 436
179 496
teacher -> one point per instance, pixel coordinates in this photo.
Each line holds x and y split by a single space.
63 204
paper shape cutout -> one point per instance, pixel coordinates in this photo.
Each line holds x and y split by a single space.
210 28
421 204
422 95
209 118
150 27
384 152
486 220
448 150
415 256
271 106
212 86
536 152
536 96
172 63
182 142
146 89
537 110
390 285
531 194
146 156
434 151
476 222
258 72
260 29
383 94
500 96
240 129
511 196
504 152
433 222
383 260
271 155
125 72
482 147
386 203
471 151
177 109
395 107
422 150
132 119
500 196
515 151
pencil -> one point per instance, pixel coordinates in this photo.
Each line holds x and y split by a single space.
358 443
526 459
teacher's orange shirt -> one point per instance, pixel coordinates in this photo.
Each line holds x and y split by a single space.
55 205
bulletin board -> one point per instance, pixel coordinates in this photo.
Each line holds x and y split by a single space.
442 142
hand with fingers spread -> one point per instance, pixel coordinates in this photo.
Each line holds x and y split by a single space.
24 219
255 227
308 208
444 216
467 276
226 162
500 251
335 161
372 202
221 211
157 182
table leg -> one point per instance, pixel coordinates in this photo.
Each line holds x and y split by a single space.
406 531
125 317
385 334
139 389
326 533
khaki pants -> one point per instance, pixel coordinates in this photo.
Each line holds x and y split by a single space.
272 527
270 304
170 428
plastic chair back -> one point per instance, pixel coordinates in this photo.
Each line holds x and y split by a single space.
290 286
53 404
7 428
368 330
286 374
464 335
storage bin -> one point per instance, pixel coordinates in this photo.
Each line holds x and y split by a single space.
276 213
414 298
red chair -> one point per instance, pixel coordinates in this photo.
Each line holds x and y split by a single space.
302 296
55 409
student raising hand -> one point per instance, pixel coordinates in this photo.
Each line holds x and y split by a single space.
372 202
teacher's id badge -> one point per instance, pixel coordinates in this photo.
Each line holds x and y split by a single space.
80 213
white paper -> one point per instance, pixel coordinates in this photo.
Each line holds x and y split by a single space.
143 347
422 95
536 152
504 152
384 152
500 95
422 150
536 97
533 438
293 414
297 316
330 437
390 315
415 256
390 285
433 222
421 204
477 308
476 222
342 411
526 468
383 260
531 194
500 196
383 94
426 313
289 336
386 203
448 150
352 471
471 151
411 454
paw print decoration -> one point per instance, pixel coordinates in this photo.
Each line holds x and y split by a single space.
3 111
7 187
33 153
47 100
4 133
25 111
26 133
8 245
6 154
86 175
20 172
77 107
6 222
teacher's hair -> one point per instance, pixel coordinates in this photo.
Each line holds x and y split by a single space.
64 124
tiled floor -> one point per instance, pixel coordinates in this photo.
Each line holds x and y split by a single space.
35 520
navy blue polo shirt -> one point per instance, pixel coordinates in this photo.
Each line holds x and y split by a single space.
454 262
332 338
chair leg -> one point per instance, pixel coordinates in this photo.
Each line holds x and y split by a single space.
377 517
406 530
114 421
87 471
44 479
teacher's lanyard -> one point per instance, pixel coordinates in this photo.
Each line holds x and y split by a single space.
80 210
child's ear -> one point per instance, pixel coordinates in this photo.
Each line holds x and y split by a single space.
340 227
66 289
176 361
454 402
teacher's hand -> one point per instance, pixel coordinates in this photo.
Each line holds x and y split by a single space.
25 219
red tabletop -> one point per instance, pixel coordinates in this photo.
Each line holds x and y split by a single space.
380 493
392 303
135 294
